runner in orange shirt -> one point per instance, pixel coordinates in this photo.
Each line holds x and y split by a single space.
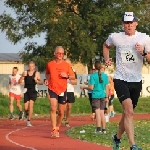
57 73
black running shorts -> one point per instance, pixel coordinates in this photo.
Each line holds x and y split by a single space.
126 90
30 95
61 99
70 97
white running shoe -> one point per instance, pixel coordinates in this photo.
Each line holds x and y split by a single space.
29 124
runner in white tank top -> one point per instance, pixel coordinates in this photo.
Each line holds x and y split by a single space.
131 47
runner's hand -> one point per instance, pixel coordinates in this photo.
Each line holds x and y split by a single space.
46 82
139 48
108 62
64 75
81 87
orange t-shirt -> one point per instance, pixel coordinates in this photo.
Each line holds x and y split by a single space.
56 83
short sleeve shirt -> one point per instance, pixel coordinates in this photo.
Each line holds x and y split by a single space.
14 86
99 90
56 83
129 61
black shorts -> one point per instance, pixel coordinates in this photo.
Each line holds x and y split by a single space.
30 95
61 99
111 100
126 90
70 97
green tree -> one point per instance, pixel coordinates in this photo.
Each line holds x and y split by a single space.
80 26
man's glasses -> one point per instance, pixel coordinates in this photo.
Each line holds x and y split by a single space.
58 53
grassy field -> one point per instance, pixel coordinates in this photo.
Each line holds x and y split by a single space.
141 136
81 106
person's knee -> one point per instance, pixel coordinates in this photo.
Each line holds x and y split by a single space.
10 103
129 112
69 107
53 109
61 112
18 105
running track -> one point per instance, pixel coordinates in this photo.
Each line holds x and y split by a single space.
15 135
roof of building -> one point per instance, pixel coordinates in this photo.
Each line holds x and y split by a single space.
10 57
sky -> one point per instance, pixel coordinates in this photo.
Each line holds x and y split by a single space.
5 45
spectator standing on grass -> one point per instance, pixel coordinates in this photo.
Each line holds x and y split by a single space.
92 116
30 78
98 84
131 47
58 72
70 96
14 93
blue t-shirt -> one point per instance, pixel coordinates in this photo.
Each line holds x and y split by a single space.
99 90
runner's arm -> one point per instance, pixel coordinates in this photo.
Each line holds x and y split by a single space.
89 87
106 51
148 57
38 79
9 83
21 80
74 82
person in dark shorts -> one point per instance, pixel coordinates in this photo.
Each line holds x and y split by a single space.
70 96
98 84
30 79
131 47
91 71
57 73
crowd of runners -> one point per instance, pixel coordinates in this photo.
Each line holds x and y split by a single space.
131 48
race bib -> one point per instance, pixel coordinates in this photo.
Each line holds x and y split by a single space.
14 89
129 56
61 94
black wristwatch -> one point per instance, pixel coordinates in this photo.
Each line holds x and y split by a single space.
144 53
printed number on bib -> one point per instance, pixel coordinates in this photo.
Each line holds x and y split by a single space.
129 56
14 89
61 94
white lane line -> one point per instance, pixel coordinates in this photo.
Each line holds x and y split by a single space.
11 141
7 137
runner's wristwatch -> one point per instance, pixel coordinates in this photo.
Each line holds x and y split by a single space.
144 53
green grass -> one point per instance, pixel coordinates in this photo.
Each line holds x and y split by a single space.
81 106
141 136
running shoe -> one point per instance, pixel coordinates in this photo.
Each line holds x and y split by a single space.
93 117
98 132
11 117
55 133
135 147
21 115
29 124
63 121
67 124
104 131
116 144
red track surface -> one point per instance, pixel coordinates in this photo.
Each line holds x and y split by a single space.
14 135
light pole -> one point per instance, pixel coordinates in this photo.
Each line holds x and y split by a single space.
96 58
